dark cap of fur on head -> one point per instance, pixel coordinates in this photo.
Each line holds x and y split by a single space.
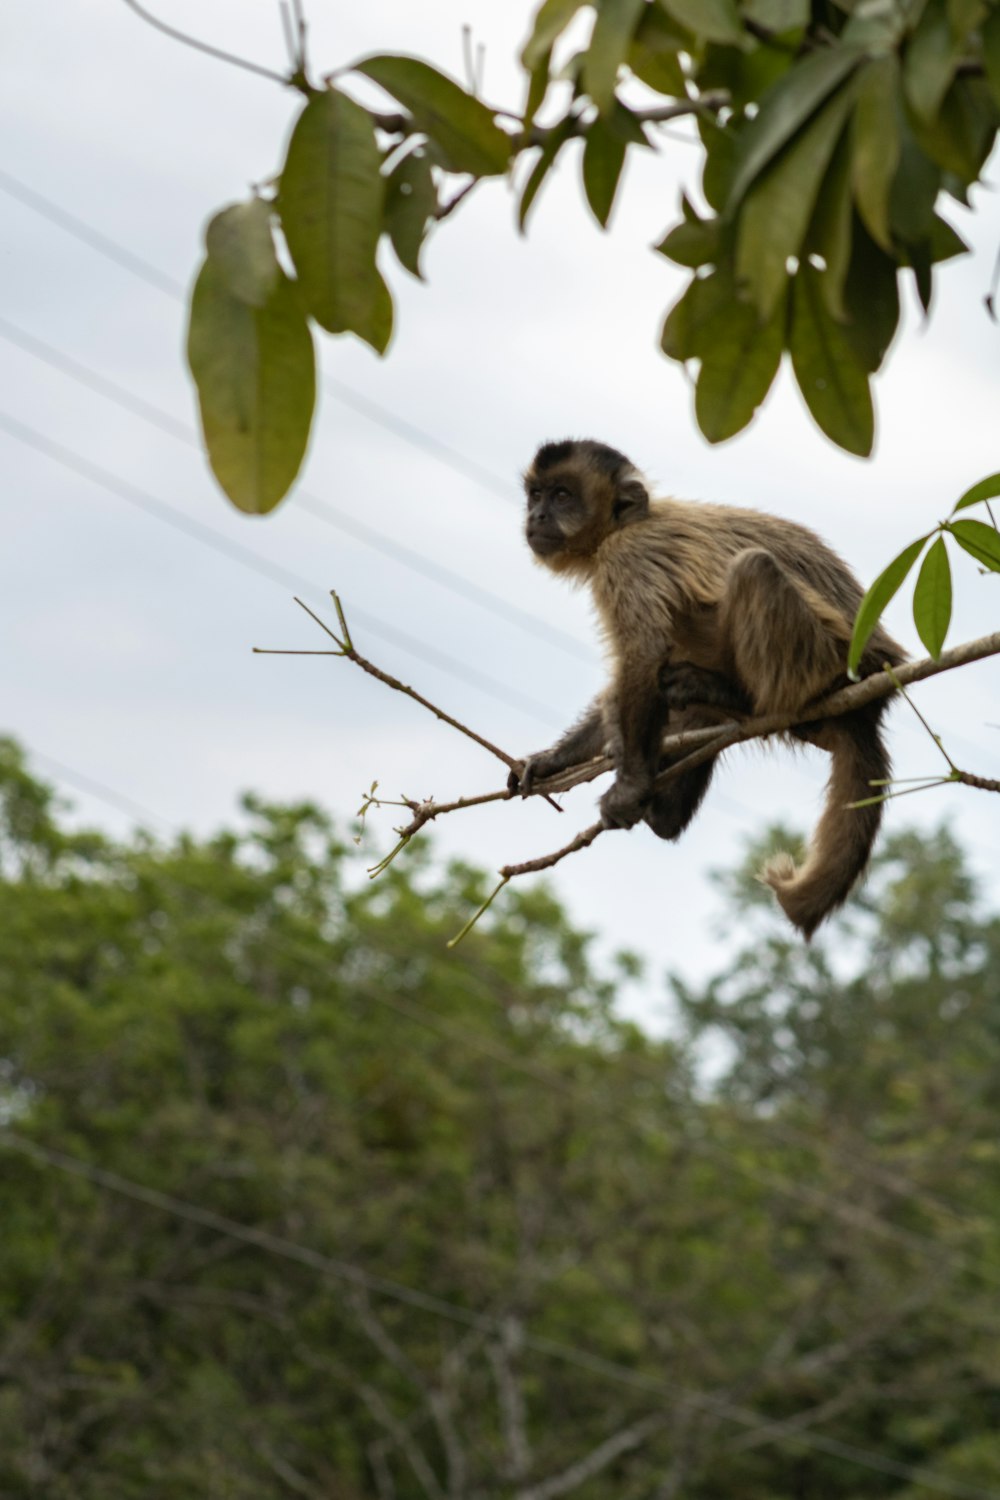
599 456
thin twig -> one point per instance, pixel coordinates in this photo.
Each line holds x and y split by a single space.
935 737
199 46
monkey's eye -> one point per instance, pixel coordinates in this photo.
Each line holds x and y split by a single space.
561 493
534 493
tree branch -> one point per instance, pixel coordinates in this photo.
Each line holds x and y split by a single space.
216 52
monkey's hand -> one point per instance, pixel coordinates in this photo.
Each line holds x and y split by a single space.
533 768
624 803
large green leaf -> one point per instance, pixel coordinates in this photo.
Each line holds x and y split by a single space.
462 127
930 61
410 204
831 231
784 109
932 598
876 145
603 159
711 20
551 20
778 208
914 191
616 22
877 599
255 373
830 376
653 55
981 541
961 136
986 489
554 142
871 300
778 15
693 243
698 316
739 360
241 245
331 203
991 54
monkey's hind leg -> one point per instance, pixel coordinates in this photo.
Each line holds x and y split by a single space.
670 811
691 693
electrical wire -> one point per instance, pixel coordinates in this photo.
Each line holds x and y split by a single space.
464 588
114 250
95 474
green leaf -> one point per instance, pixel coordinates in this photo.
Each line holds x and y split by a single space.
698 316
784 109
603 159
831 231
616 22
946 242
410 203
991 54
778 15
871 300
876 144
255 372
241 245
986 489
461 127
914 191
830 377
777 210
932 598
877 599
965 16
738 365
653 55
538 87
721 145
930 61
551 20
981 541
554 142
693 243
711 20
331 203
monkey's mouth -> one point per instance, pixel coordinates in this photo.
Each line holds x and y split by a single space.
544 543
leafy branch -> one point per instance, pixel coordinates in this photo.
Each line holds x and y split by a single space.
828 136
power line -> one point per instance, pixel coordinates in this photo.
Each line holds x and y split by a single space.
282 1248
314 505
76 463
382 416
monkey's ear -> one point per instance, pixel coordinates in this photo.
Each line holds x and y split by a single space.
631 500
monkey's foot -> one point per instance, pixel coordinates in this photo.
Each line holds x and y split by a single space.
624 803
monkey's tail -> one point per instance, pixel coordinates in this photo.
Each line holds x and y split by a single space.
842 843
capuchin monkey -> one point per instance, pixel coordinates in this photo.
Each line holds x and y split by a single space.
709 613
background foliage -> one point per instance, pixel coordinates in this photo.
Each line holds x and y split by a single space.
625 1282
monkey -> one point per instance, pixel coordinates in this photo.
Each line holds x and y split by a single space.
709 612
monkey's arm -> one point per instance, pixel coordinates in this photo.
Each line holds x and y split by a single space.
585 739
637 710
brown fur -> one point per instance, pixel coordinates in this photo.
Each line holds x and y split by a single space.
708 610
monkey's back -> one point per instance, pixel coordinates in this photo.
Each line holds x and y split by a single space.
676 560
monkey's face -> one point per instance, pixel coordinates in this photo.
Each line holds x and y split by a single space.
578 492
556 512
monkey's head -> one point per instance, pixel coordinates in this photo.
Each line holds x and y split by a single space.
578 493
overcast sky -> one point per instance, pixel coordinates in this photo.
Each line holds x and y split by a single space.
127 643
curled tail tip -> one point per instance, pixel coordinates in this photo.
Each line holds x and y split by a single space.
784 877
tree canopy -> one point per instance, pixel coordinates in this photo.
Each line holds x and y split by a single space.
296 1202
